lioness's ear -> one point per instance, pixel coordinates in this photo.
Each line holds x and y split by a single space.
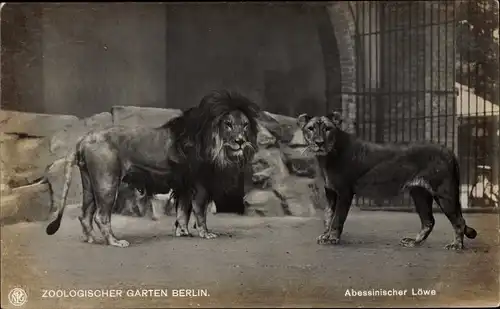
303 119
336 118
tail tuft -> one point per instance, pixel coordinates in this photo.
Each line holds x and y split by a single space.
470 232
54 225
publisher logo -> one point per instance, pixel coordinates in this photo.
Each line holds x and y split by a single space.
18 297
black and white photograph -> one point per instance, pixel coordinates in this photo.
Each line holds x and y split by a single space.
250 154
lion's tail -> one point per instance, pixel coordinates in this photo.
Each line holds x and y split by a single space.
468 231
68 171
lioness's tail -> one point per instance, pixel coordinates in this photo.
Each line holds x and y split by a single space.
68 171
468 231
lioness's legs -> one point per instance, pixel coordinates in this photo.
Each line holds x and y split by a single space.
336 226
456 220
331 198
200 206
423 204
450 205
183 213
88 206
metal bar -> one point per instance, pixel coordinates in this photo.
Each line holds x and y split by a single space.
380 107
391 69
420 81
482 159
439 72
410 73
476 125
359 74
370 73
431 69
454 52
424 11
361 12
396 76
469 138
367 101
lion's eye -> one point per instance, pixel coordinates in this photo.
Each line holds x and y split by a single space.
328 129
245 125
228 124
311 129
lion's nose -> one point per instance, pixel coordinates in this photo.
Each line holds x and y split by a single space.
239 141
320 143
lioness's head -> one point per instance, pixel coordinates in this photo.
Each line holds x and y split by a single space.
320 131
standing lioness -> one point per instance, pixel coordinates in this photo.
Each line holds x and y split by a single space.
351 166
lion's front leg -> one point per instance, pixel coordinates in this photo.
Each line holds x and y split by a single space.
183 212
336 224
200 206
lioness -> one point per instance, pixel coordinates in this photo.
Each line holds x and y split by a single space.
351 166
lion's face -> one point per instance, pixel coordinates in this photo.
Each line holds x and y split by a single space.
236 137
320 132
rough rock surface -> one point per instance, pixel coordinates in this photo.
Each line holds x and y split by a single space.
298 195
263 203
55 176
25 157
149 116
272 159
264 138
282 127
65 140
300 162
33 124
297 139
28 203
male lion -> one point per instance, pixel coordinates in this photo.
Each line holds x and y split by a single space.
194 154
351 166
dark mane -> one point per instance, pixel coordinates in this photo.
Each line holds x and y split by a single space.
196 135
194 129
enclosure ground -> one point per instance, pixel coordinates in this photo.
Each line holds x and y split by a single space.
255 262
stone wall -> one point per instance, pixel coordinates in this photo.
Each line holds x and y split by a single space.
282 180
25 154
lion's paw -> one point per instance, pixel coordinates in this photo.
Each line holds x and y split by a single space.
120 243
179 232
88 239
328 239
408 242
208 235
456 246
